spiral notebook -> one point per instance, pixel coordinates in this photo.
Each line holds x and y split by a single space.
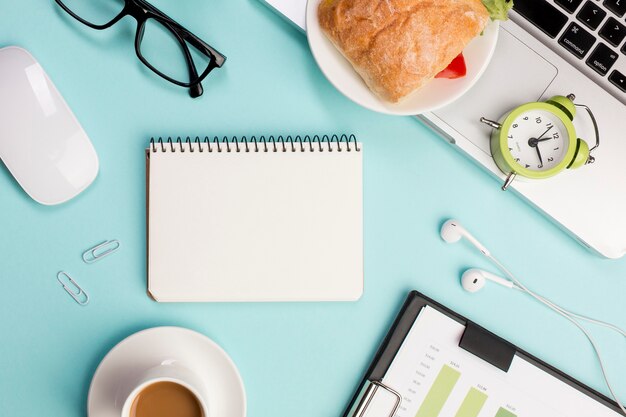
255 219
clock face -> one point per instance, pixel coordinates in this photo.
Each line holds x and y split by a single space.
538 140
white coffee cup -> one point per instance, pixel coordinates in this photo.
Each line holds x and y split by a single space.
167 371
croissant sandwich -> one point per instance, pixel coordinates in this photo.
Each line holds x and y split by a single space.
397 46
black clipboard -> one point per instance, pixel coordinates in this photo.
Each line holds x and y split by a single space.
476 339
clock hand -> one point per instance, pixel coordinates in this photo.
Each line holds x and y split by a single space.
541 136
539 155
544 139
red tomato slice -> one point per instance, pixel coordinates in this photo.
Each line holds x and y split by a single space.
456 68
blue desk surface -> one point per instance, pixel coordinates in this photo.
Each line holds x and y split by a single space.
295 359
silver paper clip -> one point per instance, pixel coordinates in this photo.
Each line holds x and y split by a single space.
100 251
74 294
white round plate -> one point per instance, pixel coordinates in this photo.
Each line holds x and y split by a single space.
150 347
431 96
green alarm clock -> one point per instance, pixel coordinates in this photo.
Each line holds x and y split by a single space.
538 140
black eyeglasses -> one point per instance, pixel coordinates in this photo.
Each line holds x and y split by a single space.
161 44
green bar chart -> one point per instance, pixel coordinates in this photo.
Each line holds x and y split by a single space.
472 404
439 392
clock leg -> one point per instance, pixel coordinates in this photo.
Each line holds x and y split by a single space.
491 123
508 180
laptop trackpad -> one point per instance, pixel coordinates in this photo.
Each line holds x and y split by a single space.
516 75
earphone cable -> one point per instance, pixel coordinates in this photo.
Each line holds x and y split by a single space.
575 315
572 318
581 317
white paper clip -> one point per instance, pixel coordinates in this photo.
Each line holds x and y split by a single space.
100 251
76 294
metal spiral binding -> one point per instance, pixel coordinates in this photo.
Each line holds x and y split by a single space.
315 143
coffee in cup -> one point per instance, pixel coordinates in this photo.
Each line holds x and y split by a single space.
166 399
166 390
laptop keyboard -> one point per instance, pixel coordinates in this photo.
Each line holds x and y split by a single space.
591 30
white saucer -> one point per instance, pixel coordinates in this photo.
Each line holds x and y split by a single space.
150 347
437 93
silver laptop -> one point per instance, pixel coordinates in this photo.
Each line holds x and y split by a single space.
551 47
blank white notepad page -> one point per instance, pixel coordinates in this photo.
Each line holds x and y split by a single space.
255 226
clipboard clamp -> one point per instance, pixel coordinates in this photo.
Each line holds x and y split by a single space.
487 346
367 394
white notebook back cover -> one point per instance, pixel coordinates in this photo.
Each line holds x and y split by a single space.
255 226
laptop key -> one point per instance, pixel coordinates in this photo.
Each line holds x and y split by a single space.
602 59
591 15
618 79
616 6
577 40
569 5
613 31
543 15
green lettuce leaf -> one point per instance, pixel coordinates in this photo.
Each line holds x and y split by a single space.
498 9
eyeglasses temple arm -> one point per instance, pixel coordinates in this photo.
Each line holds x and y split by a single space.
203 46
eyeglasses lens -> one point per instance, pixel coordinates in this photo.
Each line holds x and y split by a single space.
169 54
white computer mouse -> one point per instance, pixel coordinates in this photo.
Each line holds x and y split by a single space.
41 142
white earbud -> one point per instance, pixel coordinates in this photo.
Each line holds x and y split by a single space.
452 232
474 279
